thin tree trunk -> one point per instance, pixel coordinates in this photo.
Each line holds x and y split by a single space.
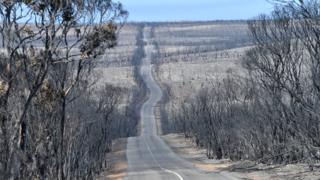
62 128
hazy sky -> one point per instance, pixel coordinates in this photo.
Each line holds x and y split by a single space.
175 10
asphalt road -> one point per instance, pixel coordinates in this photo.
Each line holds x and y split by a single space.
149 157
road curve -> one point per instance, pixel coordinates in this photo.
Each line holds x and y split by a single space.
149 157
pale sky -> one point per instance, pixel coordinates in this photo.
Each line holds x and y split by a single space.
190 10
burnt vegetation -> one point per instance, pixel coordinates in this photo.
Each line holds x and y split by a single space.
270 115
58 122
55 121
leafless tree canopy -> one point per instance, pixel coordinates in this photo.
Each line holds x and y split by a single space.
271 115
54 123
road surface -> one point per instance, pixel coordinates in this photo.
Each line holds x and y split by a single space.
149 157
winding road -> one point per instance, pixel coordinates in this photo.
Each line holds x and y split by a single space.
149 157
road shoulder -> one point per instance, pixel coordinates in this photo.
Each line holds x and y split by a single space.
116 161
241 170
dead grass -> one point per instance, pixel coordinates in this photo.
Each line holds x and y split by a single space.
117 160
242 170
117 76
211 167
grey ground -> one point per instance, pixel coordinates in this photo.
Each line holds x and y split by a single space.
149 157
